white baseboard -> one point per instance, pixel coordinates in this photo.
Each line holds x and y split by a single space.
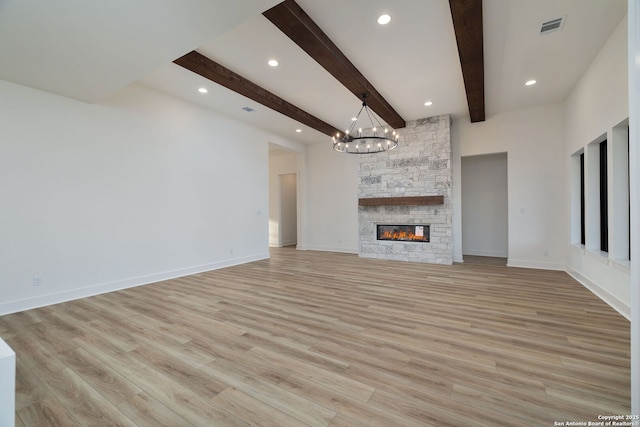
535 264
482 252
605 296
283 244
58 297
328 249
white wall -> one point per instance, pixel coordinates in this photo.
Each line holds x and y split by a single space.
280 163
485 205
532 139
331 215
141 187
596 105
600 100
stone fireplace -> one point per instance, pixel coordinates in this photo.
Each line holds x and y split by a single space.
410 186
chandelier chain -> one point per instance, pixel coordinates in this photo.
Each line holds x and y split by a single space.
367 140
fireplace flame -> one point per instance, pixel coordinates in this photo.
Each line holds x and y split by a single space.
402 235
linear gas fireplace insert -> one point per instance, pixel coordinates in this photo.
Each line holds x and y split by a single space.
404 233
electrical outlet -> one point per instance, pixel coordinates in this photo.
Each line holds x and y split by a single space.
37 281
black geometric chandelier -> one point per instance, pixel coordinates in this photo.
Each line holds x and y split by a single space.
364 137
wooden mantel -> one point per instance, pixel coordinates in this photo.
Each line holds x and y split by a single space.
402 201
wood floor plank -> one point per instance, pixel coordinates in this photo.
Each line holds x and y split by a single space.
110 355
527 409
20 423
146 411
260 388
87 406
182 373
109 383
36 356
253 411
430 413
325 339
51 337
336 381
180 399
29 387
343 421
44 413
370 415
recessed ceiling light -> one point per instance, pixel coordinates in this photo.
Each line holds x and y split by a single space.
530 83
428 103
273 63
384 19
353 119
203 90
298 130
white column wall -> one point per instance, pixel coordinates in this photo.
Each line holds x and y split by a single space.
7 385
331 215
634 155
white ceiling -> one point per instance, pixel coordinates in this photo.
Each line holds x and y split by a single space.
89 50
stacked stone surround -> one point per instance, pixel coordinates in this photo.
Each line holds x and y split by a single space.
420 166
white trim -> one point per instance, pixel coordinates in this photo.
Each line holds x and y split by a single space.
580 247
328 249
282 245
482 252
522 263
369 255
598 255
623 265
605 296
55 298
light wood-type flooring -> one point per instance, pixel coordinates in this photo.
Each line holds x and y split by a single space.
323 339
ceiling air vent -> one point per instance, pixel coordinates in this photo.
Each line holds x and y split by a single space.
552 25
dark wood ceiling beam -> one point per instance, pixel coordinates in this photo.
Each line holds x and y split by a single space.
289 17
467 24
215 72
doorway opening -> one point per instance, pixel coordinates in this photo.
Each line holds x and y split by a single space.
485 225
283 198
288 224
